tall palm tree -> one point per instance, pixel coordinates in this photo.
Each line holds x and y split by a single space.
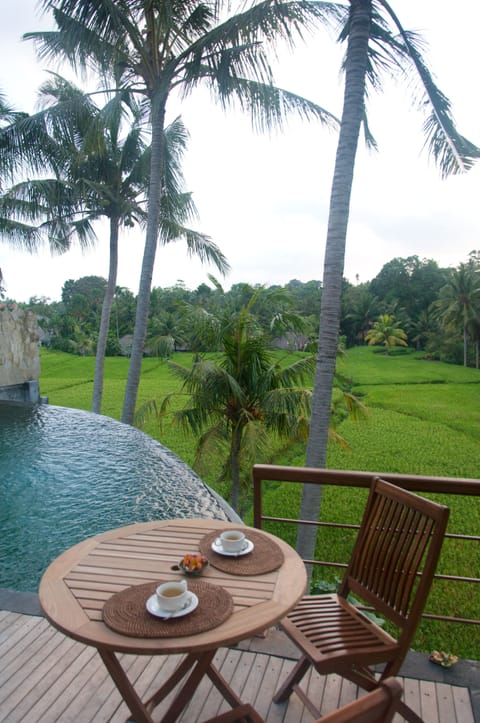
156 48
240 395
376 42
385 332
424 327
102 161
458 303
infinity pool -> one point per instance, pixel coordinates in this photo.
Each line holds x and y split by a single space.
66 474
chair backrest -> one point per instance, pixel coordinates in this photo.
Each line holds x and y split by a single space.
378 706
395 555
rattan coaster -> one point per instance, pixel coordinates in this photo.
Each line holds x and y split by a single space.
125 612
266 555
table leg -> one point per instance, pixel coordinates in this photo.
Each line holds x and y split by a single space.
180 671
202 664
126 689
199 665
223 687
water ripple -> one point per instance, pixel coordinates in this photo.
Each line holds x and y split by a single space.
66 474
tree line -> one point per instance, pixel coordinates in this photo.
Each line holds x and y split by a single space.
436 310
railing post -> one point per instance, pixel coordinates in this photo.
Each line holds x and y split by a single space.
257 499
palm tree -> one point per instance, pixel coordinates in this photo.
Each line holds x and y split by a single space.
103 162
424 327
385 332
458 303
240 396
155 48
376 42
360 306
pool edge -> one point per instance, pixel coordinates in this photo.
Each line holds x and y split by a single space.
17 601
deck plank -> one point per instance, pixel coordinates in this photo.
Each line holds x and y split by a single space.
463 706
446 705
46 677
273 673
428 701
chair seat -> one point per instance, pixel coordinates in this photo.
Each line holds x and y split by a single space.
326 627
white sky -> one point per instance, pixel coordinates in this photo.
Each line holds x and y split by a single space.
264 200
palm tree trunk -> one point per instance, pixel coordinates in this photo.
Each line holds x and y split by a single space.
105 318
352 115
151 240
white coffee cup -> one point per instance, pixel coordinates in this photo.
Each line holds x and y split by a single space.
172 596
232 540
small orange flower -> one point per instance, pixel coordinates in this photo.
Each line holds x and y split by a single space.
193 563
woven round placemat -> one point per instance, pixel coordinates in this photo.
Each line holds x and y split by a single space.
266 555
126 612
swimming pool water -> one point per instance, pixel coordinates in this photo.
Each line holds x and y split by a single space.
67 474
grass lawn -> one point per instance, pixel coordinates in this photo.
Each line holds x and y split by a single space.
422 418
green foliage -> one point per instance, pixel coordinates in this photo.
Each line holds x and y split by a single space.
368 369
240 398
177 314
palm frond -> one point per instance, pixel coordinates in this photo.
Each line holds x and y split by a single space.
20 235
452 152
268 106
198 244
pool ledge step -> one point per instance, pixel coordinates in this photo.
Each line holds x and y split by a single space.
15 601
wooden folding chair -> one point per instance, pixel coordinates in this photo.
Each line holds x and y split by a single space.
378 706
391 570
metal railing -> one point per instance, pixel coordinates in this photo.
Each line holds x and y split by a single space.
344 478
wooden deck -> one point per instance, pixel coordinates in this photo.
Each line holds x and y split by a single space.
45 676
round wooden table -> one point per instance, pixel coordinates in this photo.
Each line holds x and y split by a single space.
76 586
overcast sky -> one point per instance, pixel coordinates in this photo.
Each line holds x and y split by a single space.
264 200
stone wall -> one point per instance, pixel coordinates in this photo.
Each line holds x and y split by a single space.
19 354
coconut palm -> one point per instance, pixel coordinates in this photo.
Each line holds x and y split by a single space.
376 43
385 333
360 306
239 396
424 327
156 48
102 162
458 304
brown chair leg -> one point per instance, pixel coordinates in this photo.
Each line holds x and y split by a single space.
284 692
404 710
242 714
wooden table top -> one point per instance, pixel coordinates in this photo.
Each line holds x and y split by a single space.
76 585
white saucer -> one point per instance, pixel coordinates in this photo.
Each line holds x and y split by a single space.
247 547
153 607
